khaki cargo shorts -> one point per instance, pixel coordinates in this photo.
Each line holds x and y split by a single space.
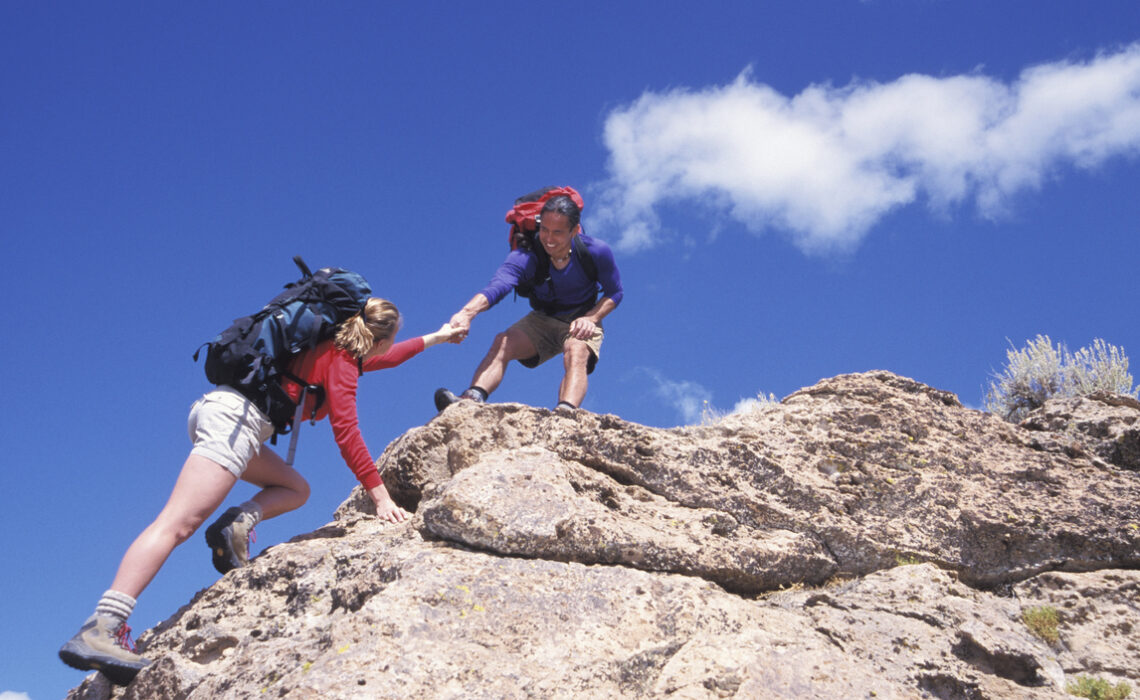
228 429
548 334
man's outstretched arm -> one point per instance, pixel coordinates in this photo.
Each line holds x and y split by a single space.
462 318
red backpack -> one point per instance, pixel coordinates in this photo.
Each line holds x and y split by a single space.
523 216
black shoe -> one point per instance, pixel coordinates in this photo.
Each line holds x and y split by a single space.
444 398
104 644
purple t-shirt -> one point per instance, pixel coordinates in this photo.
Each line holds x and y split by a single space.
570 287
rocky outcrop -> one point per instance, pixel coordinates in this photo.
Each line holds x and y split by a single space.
1099 624
1101 425
866 537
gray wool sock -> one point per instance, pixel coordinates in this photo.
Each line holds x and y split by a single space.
476 393
253 510
115 604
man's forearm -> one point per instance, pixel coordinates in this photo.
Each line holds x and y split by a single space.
477 305
601 310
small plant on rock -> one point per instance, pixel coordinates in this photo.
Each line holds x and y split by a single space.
1042 621
1098 689
710 414
762 401
1041 371
906 559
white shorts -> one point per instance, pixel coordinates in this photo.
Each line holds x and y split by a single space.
227 428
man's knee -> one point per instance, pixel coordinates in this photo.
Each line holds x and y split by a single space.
511 344
498 349
575 353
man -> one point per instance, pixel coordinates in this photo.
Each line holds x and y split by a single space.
560 269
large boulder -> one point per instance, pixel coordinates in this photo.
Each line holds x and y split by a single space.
866 537
844 478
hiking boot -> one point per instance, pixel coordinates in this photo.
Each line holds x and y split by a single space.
103 644
444 398
229 538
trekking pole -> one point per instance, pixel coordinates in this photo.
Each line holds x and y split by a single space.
297 420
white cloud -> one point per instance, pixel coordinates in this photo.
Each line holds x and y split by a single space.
689 399
828 163
12 695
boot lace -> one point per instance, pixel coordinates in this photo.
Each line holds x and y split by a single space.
123 637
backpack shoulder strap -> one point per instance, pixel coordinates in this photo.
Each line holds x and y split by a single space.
588 265
541 265
541 272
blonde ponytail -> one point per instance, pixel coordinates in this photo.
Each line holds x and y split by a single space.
377 321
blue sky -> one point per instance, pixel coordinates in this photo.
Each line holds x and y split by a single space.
794 190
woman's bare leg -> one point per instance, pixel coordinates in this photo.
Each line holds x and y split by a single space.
282 487
201 487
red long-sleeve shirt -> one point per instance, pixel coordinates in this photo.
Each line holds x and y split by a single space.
336 370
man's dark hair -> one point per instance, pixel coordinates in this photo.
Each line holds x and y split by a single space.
565 206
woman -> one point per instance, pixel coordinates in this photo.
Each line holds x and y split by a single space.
228 431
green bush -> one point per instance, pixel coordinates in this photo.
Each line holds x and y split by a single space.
1042 622
1098 689
1041 371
